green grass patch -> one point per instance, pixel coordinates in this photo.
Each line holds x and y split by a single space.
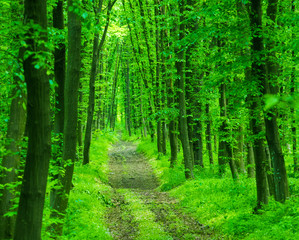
89 197
145 219
225 205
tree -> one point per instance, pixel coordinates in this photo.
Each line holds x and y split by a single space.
270 86
15 131
97 48
59 73
257 77
182 101
70 113
30 211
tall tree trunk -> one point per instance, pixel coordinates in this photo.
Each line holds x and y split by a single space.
209 135
197 143
293 115
170 93
272 134
128 99
15 131
270 177
10 161
114 87
250 161
225 150
163 42
31 204
157 97
80 116
70 114
239 151
189 108
257 77
173 123
59 73
59 69
97 47
182 101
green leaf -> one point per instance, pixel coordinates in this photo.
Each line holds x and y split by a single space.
84 15
271 101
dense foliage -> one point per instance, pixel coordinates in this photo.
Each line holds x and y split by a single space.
211 87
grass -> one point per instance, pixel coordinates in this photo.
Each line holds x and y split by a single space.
145 219
225 205
89 197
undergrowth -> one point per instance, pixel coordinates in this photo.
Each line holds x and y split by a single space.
89 196
226 206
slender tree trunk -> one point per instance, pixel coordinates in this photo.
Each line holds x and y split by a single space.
293 112
239 151
31 204
173 122
189 108
59 72
91 101
157 96
97 47
59 69
197 143
225 150
128 99
182 101
270 177
259 157
70 114
272 134
80 116
222 154
209 135
250 161
114 87
15 132
257 76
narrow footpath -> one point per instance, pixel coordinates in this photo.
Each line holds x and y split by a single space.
139 211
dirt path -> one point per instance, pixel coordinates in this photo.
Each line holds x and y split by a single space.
139 211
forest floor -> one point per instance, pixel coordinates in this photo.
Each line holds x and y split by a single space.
138 209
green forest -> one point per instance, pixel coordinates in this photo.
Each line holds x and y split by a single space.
149 119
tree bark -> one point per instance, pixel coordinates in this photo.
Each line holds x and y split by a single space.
70 114
182 101
31 204
239 151
157 96
272 134
128 99
250 161
97 47
257 77
59 73
114 87
293 112
10 161
225 153
209 135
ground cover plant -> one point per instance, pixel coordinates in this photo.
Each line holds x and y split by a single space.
90 196
225 205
